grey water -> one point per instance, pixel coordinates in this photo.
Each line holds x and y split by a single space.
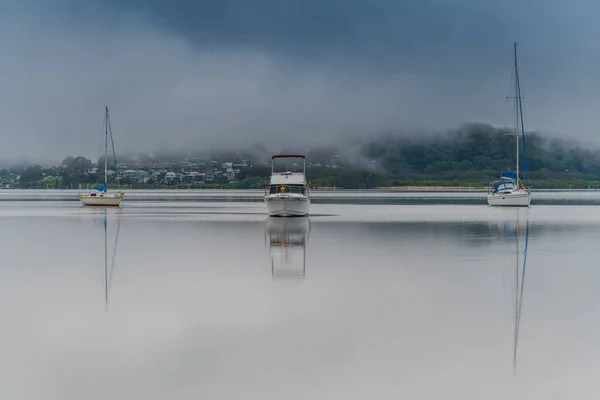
212 299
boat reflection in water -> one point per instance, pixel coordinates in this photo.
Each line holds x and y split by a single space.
519 289
287 239
517 230
109 272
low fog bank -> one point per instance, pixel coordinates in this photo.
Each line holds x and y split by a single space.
470 142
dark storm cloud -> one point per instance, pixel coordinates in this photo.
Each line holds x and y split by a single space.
378 34
199 74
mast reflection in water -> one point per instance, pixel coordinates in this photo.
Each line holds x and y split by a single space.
287 239
515 230
109 272
519 289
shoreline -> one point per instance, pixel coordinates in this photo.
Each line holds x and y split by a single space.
455 189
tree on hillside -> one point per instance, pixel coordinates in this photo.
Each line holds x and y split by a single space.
75 170
31 174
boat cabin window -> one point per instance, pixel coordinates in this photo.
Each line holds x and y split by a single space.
287 189
503 186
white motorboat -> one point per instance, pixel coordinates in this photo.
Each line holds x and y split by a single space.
287 195
509 190
99 196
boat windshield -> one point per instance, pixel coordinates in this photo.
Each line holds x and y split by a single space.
273 189
290 165
504 186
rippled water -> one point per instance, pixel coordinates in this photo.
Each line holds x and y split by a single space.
215 300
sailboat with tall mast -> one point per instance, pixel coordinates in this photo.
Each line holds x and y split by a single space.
509 190
99 196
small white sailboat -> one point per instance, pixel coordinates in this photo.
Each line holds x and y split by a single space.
509 190
287 195
99 196
287 241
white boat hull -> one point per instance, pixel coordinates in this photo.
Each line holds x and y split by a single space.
287 206
515 199
106 201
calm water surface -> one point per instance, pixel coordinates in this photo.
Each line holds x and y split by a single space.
214 300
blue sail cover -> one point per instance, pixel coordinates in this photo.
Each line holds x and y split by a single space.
103 188
509 175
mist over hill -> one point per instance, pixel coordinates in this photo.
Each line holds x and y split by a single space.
472 154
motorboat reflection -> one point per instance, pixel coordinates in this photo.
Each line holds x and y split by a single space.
287 239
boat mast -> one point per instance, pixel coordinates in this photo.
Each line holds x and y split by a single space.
517 113
112 143
106 147
520 103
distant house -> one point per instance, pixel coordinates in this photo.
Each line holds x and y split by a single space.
197 177
130 174
171 178
193 177
142 176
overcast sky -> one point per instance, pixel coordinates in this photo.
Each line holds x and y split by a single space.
198 73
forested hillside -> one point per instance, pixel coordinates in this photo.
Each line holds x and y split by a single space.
472 155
